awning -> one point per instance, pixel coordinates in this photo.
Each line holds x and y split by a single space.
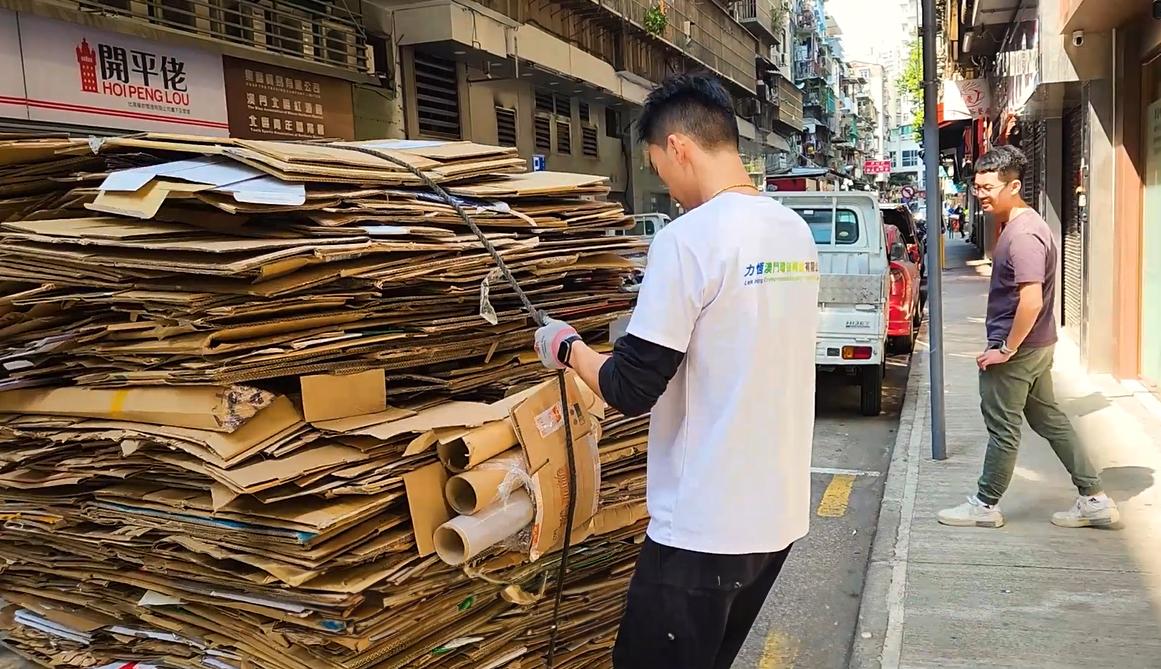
777 141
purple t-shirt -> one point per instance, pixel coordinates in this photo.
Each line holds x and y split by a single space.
1025 253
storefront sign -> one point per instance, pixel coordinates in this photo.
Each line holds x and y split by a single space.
1018 68
876 167
75 74
268 102
965 99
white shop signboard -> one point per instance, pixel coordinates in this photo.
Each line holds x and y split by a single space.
78 75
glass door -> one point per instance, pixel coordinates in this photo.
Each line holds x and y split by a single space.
1151 227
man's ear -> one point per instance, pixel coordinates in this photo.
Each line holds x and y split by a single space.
1017 186
680 146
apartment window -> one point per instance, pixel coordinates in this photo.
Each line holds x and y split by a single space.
910 158
563 106
505 126
437 97
894 159
583 107
563 137
542 128
589 146
613 123
545 102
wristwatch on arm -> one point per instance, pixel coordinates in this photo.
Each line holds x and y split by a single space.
1007 351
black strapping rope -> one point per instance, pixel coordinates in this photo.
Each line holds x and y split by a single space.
539 317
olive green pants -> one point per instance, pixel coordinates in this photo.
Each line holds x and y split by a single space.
1023 385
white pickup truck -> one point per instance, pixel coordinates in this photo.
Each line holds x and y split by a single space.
853 290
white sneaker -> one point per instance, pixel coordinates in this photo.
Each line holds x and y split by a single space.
1089 512
972 513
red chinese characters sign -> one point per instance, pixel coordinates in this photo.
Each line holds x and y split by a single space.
74 74
269 102
876 167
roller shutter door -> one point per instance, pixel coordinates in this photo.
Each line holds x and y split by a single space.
1074 221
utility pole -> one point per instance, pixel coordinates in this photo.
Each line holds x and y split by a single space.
929 27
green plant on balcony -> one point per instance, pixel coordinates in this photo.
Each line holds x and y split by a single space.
778 12
656 20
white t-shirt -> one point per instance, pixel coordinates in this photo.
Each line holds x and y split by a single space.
733 284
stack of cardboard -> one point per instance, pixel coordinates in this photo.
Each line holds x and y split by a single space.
227 371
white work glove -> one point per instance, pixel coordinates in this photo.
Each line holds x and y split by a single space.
554 343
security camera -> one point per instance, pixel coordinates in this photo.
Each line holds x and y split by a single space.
1078 35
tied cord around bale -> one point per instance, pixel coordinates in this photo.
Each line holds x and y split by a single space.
539 317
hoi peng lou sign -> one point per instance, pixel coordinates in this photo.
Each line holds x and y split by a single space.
77 75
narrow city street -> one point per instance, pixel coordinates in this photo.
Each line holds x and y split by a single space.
812 614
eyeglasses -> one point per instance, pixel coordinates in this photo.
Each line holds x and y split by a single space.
988 189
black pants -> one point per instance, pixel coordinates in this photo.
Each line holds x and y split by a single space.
690 610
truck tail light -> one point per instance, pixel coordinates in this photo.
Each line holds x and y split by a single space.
856 353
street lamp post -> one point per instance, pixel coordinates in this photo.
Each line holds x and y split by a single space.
929 29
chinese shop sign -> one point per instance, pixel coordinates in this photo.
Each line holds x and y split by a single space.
269 102
74 74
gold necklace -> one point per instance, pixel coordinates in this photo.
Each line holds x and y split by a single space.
743 185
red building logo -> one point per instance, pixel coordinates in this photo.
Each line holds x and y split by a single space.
87 61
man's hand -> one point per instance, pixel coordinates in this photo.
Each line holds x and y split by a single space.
992 356
554 342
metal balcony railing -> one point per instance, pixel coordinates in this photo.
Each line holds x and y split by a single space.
756 14
314 31
810 69
703 31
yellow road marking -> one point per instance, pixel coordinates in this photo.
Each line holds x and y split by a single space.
836 497
779 651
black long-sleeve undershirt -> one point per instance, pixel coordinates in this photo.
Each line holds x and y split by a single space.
637 373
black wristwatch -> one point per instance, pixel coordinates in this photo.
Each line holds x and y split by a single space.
564 353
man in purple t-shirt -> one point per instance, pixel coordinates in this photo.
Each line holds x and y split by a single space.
1016 368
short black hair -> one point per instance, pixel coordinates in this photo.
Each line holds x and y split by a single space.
695 104
1006 160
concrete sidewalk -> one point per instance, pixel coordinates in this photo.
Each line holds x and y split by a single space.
1028 594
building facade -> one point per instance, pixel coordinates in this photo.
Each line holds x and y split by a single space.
249 69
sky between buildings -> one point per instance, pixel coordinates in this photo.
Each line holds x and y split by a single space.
870 28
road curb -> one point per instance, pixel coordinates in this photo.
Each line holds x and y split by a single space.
876 639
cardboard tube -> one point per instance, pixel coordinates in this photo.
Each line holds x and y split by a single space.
477 488
464 537
478 445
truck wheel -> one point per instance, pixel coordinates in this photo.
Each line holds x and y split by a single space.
871 390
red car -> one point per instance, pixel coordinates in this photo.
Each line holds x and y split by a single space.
904 307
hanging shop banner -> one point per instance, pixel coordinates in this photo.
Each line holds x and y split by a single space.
268 102
965 99
1018 68
78 75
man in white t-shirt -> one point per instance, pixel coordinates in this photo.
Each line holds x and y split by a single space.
721 348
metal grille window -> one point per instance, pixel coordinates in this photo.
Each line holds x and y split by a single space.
506 126
542 127
583 107
563 137
589 145
437 98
